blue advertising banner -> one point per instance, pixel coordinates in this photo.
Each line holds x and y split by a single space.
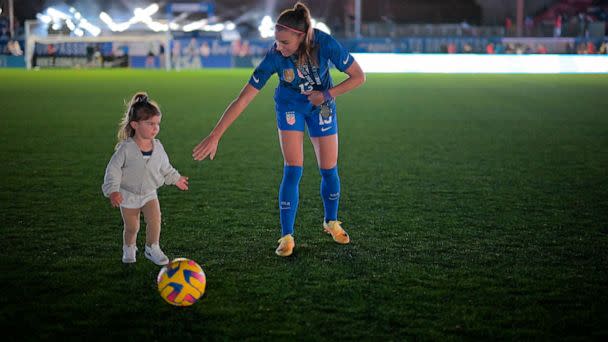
193 53
9 61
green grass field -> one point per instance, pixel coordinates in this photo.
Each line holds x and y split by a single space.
476 204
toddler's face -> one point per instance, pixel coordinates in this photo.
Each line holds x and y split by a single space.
147 129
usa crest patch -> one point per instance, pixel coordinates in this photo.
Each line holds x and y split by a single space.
290 117
288 75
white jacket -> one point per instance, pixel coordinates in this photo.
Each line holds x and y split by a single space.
128 170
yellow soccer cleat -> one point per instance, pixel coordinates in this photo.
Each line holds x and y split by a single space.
336 231
286 245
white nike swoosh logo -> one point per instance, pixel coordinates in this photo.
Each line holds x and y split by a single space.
255 79
323 129
346 60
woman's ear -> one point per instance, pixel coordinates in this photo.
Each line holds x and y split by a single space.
133 124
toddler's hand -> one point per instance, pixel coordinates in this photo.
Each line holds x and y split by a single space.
182 183
115 199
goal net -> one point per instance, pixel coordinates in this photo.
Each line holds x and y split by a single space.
63 49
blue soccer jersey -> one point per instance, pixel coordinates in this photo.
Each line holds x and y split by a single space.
292 105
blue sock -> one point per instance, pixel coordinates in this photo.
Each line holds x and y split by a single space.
330 192
288 197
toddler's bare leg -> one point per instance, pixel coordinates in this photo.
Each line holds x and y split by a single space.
130 218
151 212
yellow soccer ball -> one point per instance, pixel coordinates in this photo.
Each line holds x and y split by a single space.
181 282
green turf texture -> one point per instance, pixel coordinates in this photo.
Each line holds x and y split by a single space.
476 204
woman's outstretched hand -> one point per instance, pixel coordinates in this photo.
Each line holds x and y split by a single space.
206 148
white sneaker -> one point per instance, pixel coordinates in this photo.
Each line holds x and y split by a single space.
128 254
156 255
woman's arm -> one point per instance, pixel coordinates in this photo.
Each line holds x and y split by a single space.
208 146
356 77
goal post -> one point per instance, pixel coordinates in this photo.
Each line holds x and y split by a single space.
34 35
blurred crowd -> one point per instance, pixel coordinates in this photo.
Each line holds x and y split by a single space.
8 46
582 48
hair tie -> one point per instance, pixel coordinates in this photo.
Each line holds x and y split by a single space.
142 99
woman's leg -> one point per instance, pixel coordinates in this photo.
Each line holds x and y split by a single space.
293 156
326 150
130 218
292 147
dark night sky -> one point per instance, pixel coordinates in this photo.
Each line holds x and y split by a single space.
27 9
397 10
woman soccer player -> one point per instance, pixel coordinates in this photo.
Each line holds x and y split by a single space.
305 96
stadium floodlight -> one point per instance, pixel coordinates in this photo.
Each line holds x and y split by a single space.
195 25
105 17
151 10
140 15
219 27
44 18
92 29
56 14
115 27
266 27
320 26
76 14
74 20
70 24
145 16
155 25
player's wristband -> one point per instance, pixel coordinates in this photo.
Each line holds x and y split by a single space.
327 95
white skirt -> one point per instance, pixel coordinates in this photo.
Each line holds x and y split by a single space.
135 201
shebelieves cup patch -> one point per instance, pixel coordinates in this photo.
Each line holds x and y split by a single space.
325 111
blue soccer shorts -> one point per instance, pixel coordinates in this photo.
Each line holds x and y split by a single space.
320 120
